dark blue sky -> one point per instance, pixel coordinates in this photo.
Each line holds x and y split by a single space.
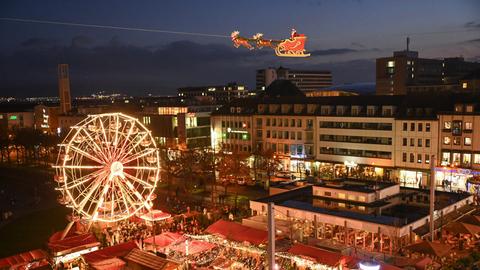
345 37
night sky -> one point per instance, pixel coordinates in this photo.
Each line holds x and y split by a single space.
345 37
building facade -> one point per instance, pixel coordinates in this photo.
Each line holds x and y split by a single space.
214 93
406 72
305 80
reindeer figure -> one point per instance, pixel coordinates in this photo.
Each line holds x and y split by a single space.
240 41
258 37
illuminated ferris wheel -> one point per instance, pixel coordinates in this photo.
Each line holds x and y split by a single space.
107 168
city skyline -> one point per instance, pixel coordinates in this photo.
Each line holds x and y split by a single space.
139 62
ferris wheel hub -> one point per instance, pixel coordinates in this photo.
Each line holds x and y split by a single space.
116 169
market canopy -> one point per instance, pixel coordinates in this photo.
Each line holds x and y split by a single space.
108 264
319 255
70 243
192 247
164 239
460 227
21 258
430 248
238 232
119 250
149 261
471 219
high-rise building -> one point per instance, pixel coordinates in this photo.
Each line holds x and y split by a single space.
214 93
305 80
405 72
64 88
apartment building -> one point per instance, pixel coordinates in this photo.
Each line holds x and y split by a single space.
305 80
459 146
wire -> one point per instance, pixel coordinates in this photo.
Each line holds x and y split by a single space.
112 27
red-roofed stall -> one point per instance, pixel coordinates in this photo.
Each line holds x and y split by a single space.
71 247
238 232
320 256
38 256
120 250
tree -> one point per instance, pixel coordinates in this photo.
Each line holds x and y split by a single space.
270 162
232 167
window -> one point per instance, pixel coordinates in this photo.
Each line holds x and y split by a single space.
419 158
412 142
446 140
476 159
457 140
456 158
447 125
427 127
404 142
268 133
427 158
405 125
274 134
391 64
341 195
467 159
292 122
412 126
299 123
280 122
352 197
464 85
469 108
328 193
361 198
268 122
459 108
419 143
457 128
446 157
274 122
299 135
427 142
285 135
404 157
468 126
420 127
412 157
292 135
259 122
285 122
467 141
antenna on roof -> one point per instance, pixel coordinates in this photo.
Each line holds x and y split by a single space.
408 43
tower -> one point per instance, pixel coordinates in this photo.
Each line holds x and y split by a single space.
64 88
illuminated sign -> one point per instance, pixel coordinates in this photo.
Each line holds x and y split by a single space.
13 117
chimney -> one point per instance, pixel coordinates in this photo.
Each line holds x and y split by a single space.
64 88
408 43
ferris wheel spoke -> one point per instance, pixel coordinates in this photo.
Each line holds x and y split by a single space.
101 200
126 139
85 154
134 146
88 196
127 197
138 155
141 168
96 148
80 167
109 154
138 180
85 178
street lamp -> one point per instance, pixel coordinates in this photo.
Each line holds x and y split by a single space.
369 265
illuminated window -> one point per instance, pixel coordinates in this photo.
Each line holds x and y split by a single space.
391 64
476 159
464 85
361 198
427 127
468 125
467 159
352 197
457 140
447 125
469 108
427 158
341 205
456 158
341 195
361 208
446 157
467 141
446 140
419 158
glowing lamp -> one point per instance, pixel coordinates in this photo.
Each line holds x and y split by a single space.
369 265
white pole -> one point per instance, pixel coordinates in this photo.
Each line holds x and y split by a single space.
271 236
432 197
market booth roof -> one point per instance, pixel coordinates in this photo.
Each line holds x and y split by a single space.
73 243
108 264
165 239
149 261
22 258
109 252
238 232
460 227
155 215
192 247
429 248
319 255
